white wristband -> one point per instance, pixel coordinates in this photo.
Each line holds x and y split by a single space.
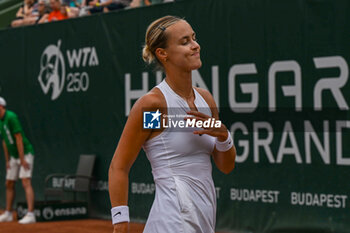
225 145
120 214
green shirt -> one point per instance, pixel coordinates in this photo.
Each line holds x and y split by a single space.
9 126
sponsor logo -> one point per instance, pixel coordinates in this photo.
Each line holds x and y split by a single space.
56 77
22 211
52 70
55 211
70 211
119 213
48 213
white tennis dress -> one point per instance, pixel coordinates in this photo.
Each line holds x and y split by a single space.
185 199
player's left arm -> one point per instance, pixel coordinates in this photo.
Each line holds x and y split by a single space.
6 153
225 161
16 129
20 149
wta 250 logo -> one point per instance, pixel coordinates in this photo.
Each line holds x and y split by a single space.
53 75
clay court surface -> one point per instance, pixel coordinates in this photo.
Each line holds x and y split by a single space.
73 226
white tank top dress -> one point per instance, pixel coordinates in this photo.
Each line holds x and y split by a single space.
185 198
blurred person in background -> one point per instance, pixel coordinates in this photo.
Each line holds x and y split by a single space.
85 7
72 7
108 5
27 10
43 9
19 158
40 17
57 12
138 3
69 12
73 3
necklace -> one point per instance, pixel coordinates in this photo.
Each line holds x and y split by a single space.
181 96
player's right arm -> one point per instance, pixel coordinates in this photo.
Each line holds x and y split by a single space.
129 146
6 153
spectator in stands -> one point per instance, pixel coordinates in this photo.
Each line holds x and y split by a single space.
41 16
43 10
70 12
138 3
107 5
27 10
72 7
57 12
19 162
72 3
85 7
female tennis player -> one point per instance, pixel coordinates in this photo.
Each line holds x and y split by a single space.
185 199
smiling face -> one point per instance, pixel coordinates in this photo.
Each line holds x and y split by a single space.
182 50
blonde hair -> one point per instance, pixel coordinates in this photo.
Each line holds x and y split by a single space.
156 37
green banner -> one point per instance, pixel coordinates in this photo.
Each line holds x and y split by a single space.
278 71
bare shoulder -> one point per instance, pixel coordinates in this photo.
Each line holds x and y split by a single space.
154 99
